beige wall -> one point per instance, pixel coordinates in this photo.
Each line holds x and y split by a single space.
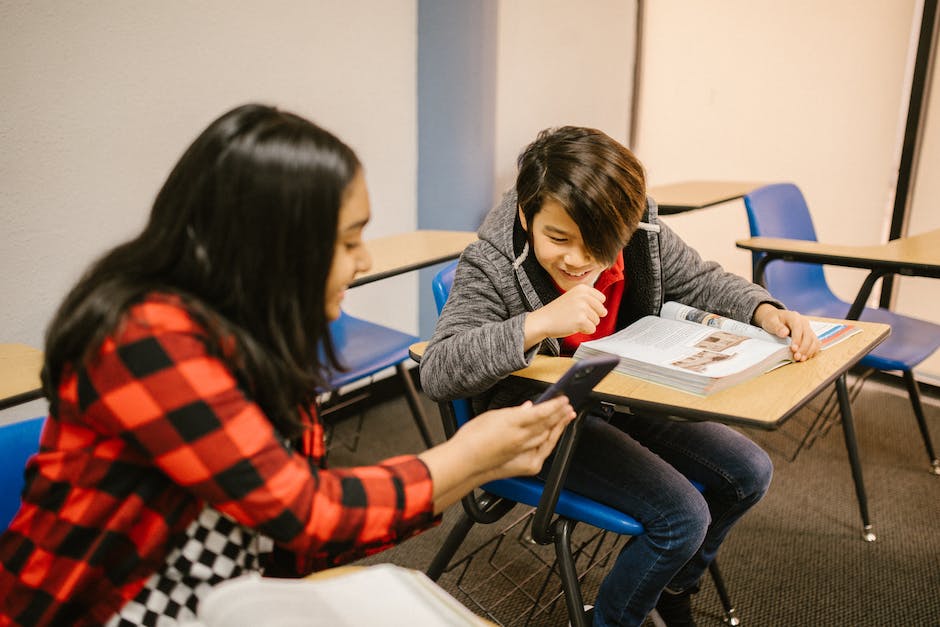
917 296
98 98
560 63
803 91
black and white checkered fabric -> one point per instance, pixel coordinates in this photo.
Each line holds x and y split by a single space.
215 548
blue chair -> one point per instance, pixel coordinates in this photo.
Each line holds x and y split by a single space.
365 348
18 441
557 510
780 210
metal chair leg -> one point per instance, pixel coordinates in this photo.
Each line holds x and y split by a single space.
913 390
851 447
485 509
453 541
411 395
566 571
729 617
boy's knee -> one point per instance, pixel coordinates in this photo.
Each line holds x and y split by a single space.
682 530
759 477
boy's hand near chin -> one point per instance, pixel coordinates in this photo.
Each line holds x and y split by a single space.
578 310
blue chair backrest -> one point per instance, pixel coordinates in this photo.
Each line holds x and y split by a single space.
440 286
338 330
780 210
442 283
18 441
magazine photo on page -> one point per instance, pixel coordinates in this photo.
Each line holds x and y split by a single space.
700 352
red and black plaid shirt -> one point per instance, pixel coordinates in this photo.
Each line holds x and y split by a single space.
141 439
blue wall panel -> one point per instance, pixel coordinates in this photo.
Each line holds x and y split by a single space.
456 121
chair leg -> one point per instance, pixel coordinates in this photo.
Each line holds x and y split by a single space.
730 617
453 541
568 573
411 395
851 447
913 390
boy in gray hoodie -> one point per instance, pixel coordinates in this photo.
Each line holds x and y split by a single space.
576 252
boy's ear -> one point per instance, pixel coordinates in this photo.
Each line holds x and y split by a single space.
525 227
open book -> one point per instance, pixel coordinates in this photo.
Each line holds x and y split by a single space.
373 595
700 352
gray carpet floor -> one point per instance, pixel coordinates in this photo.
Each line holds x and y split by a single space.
797 559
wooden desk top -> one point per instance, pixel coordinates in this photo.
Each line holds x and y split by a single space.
688 195
917 255
397 254
765 402
19 374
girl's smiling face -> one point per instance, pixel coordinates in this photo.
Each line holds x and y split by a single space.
559 247
350 256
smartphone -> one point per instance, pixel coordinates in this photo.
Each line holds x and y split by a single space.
580 379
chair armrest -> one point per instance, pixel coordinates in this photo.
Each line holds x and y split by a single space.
555 482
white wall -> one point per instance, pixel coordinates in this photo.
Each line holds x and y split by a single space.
560 63
98 98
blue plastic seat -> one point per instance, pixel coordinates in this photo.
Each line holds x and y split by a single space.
557 510
365 348
780 210
18 441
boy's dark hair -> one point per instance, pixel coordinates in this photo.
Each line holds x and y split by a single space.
243 231
599 182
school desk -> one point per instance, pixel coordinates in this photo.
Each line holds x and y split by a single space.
765 402
19 374
690 195
397 254
916 255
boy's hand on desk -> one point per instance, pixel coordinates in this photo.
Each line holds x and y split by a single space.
782 323
578 310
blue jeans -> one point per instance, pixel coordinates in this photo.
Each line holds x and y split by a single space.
642 466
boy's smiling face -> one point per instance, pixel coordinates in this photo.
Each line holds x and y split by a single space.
559 247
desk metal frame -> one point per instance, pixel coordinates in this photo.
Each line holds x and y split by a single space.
746 404
917 255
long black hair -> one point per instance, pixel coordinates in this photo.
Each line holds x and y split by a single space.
243 231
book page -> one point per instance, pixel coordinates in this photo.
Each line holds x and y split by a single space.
678 311
829 333
684 347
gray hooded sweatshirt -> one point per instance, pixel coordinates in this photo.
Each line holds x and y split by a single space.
479 337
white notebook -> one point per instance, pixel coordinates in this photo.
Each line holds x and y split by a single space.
385 595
